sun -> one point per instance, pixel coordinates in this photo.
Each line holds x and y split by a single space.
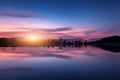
33 38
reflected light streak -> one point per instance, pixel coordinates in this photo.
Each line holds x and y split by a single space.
13 55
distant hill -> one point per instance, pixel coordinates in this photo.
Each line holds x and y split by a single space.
108 43
110 40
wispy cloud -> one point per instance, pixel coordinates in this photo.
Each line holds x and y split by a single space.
89 32
102 32
20 15
22 31
54 30
38 29
112 30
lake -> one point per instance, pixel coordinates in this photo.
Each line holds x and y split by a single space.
69 63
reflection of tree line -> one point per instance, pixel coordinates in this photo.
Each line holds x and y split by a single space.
108 43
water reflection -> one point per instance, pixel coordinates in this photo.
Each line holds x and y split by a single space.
55 63
111 48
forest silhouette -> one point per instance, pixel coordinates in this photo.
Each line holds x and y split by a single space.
111 43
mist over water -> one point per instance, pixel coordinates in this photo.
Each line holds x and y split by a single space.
54 63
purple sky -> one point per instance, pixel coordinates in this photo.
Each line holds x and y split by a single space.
59 18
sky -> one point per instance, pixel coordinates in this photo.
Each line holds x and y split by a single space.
85 19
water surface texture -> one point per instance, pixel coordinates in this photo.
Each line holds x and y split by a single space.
69 63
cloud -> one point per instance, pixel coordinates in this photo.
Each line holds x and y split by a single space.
102 32
19 32
37 30
20 15
55 30
106 31
62 29
89 32
112 30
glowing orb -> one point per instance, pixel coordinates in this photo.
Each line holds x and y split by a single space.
33 38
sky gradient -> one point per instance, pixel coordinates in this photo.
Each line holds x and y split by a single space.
60 18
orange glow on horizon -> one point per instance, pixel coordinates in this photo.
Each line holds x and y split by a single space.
33 38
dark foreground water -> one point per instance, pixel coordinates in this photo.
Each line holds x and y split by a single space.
86 63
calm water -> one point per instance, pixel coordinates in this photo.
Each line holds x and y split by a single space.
86 63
